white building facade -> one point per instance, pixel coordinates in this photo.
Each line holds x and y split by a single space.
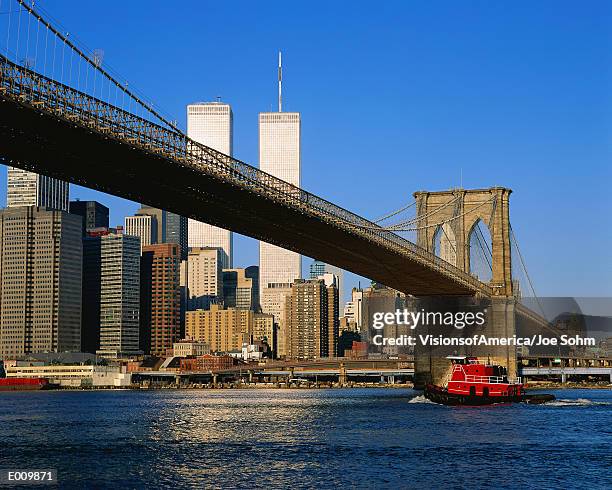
202 277
26 188
211 124
142 226
280 156
77 375
353 310
318 268
273 300
186 348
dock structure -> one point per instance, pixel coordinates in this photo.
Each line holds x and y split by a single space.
375 371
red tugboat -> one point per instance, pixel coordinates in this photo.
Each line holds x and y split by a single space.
23 384
473 382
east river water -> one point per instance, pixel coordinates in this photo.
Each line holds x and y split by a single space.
333 438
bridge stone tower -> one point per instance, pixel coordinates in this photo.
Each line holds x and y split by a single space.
448 218
458 212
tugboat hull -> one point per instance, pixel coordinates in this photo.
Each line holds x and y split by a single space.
23 384
442 396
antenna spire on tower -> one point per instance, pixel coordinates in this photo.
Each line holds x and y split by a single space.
280 82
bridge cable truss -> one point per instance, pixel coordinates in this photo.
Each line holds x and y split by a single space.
403 226
395 213
104 104
524 268
67 60
44 94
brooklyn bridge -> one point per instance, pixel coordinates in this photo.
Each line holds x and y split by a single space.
65 115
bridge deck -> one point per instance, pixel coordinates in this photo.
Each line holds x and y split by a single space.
53 129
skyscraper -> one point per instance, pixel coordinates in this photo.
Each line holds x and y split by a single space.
40 285
119 291
90 296
211 124
202 276
378 299
143 226
312 319
263 329
26 188
160 220
171 228
318 268
177 231
160 299
93 214
240 288
223 329
353 310
280 156
252 272
273 301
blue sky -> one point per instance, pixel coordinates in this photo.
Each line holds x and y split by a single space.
397 97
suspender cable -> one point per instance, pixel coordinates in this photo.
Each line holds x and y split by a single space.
28 41
515 241
36 49
482 249
399 228
449 240
98 68
8 30
484 241
18 34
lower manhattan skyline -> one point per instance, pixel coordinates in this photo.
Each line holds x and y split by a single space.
473 121
305 245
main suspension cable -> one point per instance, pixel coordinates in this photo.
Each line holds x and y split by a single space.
433 225
390 215
97 66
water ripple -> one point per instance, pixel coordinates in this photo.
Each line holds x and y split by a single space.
359 438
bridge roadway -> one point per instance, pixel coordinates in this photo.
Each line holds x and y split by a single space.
545 366
50 128
304 373
303 369
564 366
564 372
332 367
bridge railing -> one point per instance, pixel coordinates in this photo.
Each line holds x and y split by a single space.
45 94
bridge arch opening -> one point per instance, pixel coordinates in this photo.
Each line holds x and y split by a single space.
480 251
445 243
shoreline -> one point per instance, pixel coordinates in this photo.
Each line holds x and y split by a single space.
567 386
266 386
229 386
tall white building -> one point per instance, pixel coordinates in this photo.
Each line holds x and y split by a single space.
26 188
279 155
211 124
202 276
353 310
143 226
273 300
